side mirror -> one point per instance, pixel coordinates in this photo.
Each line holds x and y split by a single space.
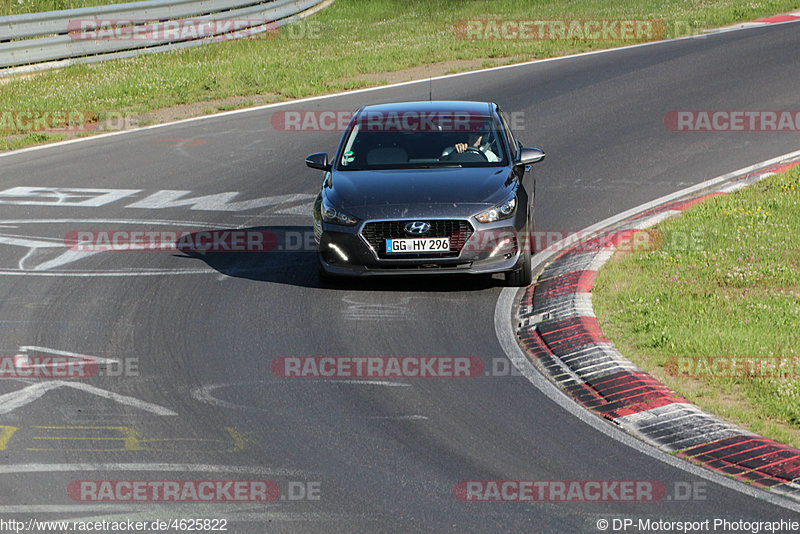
529 156
318 161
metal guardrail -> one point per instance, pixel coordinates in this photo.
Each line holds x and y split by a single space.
37 38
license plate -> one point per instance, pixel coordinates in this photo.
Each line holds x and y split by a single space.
417 245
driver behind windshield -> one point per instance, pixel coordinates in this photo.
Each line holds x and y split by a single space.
478 140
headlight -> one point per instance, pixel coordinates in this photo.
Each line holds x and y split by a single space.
504 210
332 215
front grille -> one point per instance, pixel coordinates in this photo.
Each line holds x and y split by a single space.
376 234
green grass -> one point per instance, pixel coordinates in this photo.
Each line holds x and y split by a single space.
355 38
737 294
724 282
33 138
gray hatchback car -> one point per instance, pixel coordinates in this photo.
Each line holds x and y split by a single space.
426 188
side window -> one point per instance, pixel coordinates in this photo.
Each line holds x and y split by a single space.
512 143
348 156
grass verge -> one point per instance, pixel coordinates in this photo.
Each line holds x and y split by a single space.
351 44
721 289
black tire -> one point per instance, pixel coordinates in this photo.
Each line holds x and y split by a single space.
523 276
325 278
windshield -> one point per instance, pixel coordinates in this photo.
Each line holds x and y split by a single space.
380 140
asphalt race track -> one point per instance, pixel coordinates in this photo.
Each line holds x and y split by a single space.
198 399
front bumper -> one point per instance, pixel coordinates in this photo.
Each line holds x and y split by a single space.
491 248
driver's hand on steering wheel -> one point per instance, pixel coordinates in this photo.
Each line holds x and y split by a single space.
474 141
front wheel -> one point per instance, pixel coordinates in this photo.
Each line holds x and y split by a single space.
324 277
523 276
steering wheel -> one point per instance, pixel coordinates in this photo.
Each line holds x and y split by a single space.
467 156
476 151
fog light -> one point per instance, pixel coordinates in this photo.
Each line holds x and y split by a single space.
338 251
500 246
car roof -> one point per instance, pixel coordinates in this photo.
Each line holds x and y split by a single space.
447 106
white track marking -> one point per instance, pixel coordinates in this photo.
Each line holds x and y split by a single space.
96 274
154 222
508 341
11 401
149 467
216 202
397 417
504 321
52 196
379 88
544 257
505 302
22 397
68 256
163 199
46 268
25 349
205 394
357 310
361 382
32 243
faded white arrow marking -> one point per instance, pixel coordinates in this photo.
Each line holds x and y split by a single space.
11 401
217 202
36 244
41 258
55 196
22 359
67 257
22 397
22 241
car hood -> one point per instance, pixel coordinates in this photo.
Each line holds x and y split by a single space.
447 188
